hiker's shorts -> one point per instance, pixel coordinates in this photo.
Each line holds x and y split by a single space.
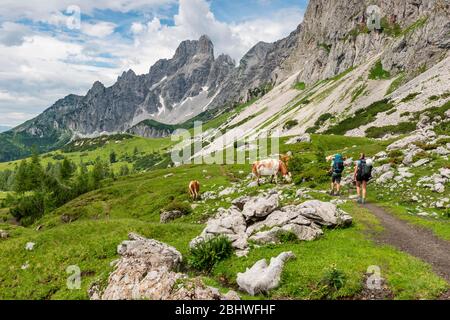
336 178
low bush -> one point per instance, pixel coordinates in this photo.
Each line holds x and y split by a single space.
183 207
29 208
206 254
290 124
361 117
401 128
410 97
287 236
378 73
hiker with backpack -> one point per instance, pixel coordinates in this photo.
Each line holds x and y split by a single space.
363 173
337 168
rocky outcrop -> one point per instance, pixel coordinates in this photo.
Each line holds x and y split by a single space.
147 270
4 234
167 216
259 219
263 277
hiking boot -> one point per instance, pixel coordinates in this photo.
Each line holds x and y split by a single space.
359 201
363 201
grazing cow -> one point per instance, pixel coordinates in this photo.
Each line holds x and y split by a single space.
194 189
271 167
286 158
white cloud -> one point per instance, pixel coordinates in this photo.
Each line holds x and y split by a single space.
13 34
154 40
49 9
100 29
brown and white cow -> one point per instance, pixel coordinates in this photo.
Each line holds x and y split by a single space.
194 189
271 167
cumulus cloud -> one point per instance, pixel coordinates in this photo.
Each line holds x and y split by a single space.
154 40
100 29
13 34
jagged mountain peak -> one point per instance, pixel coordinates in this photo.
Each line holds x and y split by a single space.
190 48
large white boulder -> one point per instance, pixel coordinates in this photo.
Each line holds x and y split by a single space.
261 277
385 177
260 207
324 213
146 270
405 142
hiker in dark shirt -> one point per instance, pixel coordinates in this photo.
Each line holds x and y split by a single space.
362 175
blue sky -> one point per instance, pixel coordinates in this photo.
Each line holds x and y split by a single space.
58 47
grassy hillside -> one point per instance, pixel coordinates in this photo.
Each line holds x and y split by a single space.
101 219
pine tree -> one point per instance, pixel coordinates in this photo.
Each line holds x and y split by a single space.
22 181
67 169
112 157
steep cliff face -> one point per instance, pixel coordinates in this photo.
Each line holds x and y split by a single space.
334 37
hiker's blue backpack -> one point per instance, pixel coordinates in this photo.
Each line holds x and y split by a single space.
338 166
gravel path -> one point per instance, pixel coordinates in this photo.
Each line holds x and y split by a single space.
416 241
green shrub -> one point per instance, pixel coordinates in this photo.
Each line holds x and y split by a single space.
290 124
334 278
361 117
433 98
401 128
391 29
358 91
286 236
378 73
29 208
205 255
300 86
183 207
410 97
396 83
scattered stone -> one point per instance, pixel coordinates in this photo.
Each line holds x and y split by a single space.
261 278
302 195
29 246
25 266
324 213
441 151
168 175
405 142
303 138
4 234
227 192
168 216
439 188
260 207
377 171
385 177
420 163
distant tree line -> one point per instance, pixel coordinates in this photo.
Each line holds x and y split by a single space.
38 189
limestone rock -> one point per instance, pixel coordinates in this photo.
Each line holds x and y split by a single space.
260 207
263 277
147 270
324 213
168 216
4 234
385 177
